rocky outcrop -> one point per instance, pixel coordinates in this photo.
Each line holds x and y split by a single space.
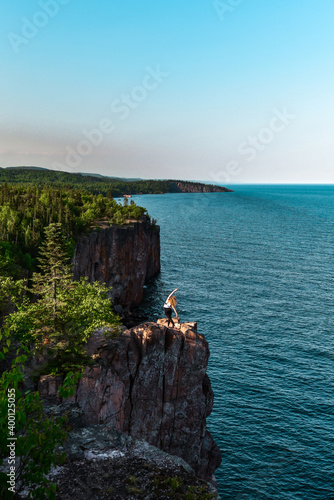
151 384
196 187
123 257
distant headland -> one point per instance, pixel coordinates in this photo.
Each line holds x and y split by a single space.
99 184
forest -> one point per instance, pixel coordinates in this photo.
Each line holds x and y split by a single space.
25 210
96 184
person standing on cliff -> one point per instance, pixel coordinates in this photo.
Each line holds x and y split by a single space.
169 305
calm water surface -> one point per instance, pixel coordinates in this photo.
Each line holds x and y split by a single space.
254 268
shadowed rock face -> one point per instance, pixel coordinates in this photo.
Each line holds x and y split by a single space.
123 257
103 463
151 384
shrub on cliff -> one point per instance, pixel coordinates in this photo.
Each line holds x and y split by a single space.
28 439
9 290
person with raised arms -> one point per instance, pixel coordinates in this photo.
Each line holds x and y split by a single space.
169 305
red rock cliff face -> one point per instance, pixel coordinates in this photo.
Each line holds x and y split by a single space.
151 384
196 187
123 257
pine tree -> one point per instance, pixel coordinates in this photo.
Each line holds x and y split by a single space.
53 262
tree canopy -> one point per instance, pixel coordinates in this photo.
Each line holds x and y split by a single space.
26 210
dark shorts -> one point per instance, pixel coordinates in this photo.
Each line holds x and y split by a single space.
168 312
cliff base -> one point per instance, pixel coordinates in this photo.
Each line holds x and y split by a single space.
103 463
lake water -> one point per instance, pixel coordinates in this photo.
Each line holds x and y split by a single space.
254 268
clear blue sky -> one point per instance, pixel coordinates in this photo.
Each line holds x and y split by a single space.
226 92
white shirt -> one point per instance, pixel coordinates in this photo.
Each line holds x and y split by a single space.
167 304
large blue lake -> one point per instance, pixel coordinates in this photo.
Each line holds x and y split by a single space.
255 269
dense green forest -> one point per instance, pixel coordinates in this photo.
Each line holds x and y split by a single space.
25 210
95 185
98 184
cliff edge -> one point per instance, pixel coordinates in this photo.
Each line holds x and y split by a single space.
123 257
151 384
196 187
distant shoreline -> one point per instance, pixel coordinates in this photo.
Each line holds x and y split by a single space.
98 184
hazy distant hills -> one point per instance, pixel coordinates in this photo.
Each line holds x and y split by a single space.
125 179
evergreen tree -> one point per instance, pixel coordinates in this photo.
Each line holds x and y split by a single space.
65 313
53 262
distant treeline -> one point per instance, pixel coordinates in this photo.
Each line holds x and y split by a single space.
98 185
26 210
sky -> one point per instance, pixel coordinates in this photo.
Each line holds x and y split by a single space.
230 91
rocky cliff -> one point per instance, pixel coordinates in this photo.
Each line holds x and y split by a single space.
151 384
123 257
196 187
